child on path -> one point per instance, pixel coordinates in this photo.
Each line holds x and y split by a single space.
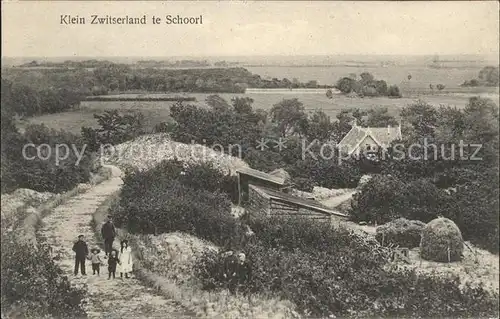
81 252
125 259
96 260
112 261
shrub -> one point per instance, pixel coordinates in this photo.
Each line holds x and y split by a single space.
178 199
402 232
292 233
349 284
393 91
44 172
115 128
33 285
441 241
386 197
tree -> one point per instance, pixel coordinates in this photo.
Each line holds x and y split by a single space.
242 104
290 117
344 122
380 117
481 127
422 118
440 87
489 75
381 87
366 78
319 126
346 85
393 91
217 103
312 84
329 94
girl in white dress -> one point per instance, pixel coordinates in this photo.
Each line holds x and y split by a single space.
126 262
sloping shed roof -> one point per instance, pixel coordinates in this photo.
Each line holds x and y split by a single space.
261 175
280 172
301 202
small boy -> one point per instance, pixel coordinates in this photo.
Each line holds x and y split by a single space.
96 260
112 261
81 252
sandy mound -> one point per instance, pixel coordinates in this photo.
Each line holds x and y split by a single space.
321 193
148 150
173 255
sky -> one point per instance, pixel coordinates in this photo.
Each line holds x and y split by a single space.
254 28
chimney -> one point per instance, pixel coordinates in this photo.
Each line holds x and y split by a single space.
388 129
354 123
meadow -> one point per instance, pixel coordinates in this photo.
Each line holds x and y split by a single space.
159 111
421 76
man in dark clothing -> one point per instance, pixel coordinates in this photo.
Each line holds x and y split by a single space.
228 266
240 273
108 233
81 252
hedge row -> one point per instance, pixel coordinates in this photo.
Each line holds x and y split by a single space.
140 99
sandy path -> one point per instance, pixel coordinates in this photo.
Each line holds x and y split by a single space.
337 200
106 298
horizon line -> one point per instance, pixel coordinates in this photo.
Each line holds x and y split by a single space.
254 55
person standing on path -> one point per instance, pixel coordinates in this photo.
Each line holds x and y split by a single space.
108 233
96 260
81 252
125 266
112 261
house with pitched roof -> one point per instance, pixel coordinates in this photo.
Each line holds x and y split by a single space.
368 139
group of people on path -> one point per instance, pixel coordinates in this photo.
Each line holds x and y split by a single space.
118 261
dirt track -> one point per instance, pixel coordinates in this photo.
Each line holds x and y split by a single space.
106 298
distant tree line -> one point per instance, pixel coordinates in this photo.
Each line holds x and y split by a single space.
101 77
488 76
367 85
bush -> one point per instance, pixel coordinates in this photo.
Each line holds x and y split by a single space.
115 128
33 286
439 237
292 233
178 199
393 91
386 197
44 172
402 232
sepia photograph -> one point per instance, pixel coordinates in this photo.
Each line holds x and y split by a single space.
250 159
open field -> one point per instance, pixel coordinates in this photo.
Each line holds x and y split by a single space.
159 111
73 121
422 75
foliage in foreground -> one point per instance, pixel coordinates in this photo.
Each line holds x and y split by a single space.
33 285
342 280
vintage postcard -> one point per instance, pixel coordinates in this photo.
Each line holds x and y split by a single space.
250 159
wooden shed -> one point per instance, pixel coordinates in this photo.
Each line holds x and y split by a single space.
247 176
268 202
